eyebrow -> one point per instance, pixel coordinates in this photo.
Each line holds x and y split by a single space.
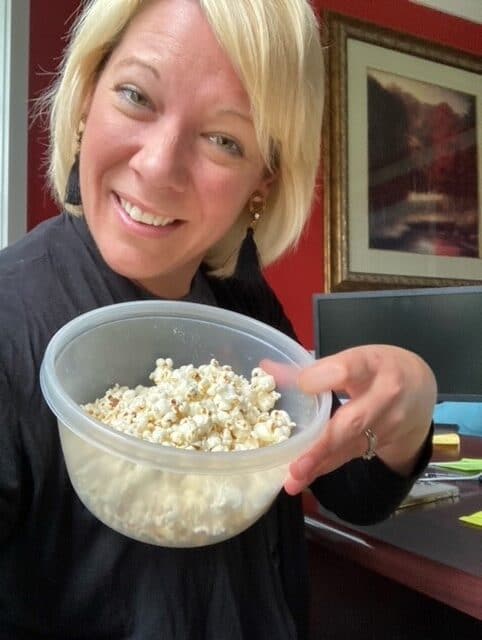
238 114
138 62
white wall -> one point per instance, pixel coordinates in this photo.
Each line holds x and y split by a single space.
14 48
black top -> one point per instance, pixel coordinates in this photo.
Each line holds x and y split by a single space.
64 574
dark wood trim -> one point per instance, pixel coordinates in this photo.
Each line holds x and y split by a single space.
456 588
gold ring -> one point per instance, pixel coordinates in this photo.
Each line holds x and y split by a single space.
372 444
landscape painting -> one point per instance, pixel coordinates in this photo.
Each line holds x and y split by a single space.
402 161
423 187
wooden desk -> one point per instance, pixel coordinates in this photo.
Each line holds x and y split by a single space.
417 559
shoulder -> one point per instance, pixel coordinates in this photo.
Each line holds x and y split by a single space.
26 269
32 278
31 268
30 248
41 258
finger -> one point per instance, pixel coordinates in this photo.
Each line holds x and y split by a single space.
382 407
299 473
285 375
343 439
293 487
306 469
321 458
344 371
294 484
344 436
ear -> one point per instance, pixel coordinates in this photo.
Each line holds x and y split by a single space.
266 183
87 101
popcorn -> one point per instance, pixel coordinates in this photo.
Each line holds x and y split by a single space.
205 408
163 507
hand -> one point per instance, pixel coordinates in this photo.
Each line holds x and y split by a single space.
392 391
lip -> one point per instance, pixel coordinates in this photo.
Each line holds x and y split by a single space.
144 230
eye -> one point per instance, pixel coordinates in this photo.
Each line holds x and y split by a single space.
132 95
226 144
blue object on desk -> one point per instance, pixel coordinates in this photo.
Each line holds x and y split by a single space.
467 415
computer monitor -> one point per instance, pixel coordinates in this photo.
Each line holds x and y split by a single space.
443 325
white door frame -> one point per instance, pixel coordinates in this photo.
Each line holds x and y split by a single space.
14 72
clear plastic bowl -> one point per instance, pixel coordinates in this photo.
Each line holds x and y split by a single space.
164 495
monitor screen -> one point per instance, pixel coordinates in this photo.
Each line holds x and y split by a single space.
442 325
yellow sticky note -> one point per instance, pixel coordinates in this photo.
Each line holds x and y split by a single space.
474 518
449 439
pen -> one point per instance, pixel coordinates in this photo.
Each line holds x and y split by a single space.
432 476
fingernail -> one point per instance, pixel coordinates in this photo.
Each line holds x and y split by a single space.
304 466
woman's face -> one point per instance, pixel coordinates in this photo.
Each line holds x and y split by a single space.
169 155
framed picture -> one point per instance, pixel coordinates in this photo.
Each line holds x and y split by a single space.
402 161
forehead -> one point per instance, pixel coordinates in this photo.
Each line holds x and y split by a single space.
175 34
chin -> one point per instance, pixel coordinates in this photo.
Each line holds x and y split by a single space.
133 268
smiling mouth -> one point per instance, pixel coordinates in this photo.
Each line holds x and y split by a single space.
144 217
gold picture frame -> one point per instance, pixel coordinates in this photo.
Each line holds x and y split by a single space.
359 249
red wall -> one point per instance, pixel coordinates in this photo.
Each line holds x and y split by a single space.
49 21
298 275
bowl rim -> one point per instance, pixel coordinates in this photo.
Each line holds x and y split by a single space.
70 415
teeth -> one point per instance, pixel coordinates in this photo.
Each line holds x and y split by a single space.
142 216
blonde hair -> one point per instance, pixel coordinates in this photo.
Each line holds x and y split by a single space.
274 46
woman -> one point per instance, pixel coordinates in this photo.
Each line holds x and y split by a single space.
184 121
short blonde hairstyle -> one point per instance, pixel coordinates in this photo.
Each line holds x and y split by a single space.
274 46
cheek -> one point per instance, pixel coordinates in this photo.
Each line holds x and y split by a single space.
103 139
98 160
224 192
95 155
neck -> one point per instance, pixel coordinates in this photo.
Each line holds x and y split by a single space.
170 286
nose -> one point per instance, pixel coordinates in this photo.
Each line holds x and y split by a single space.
160 159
